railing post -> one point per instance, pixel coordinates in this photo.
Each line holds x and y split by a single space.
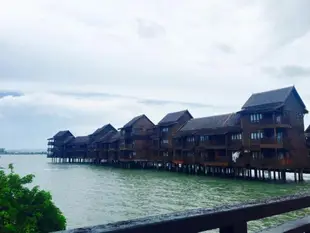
236 228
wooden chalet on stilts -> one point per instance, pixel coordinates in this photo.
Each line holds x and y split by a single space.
267 135
77 149
272 125
114 147
95 150
135 140
163 133
103 147
208 141
56 145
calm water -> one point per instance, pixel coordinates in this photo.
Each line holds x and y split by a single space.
90 195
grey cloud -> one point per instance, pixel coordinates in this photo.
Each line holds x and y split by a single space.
288 71
148 29
188 104
295 71
225 48
143 101
290 19
10 93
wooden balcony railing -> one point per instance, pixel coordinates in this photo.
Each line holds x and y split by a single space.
273 121
229 218
211 143
271 140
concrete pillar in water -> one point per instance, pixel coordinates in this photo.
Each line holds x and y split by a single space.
283 175
269 174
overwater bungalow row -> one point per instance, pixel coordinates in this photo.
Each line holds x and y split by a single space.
267 133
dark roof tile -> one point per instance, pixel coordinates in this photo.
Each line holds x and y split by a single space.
80 140
115 137
212 122
61 133
98 131
276 97
133 121
173 117
106 137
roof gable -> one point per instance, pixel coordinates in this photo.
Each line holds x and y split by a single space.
62 134
106 137
212 122
173 117
115 137
276 97
135 119
273 99
80 140
103 129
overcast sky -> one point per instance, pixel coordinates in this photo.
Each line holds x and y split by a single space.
77 64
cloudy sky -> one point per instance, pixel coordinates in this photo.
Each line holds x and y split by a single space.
77 64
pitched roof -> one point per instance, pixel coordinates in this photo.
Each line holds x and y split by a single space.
106 137
80 140
212 122
115 137
173 117
135 119
271 99
61 133
69 139
99 130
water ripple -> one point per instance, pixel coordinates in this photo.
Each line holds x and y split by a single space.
90 195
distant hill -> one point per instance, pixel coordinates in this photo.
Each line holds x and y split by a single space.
24 151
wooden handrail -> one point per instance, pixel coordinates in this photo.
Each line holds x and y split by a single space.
230 218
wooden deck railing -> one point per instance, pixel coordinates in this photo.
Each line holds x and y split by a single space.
228 219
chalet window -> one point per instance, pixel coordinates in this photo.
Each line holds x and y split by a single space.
134 153
256 117
190 139
236 136
165 129
257 135
204 138
164 141
165 154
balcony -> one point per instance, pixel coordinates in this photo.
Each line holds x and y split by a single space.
212 144
189 145
178 144
272 142
273 121
165 146
235 144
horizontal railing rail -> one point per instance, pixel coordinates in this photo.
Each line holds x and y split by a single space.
229 218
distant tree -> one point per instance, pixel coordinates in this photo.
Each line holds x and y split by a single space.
26 210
